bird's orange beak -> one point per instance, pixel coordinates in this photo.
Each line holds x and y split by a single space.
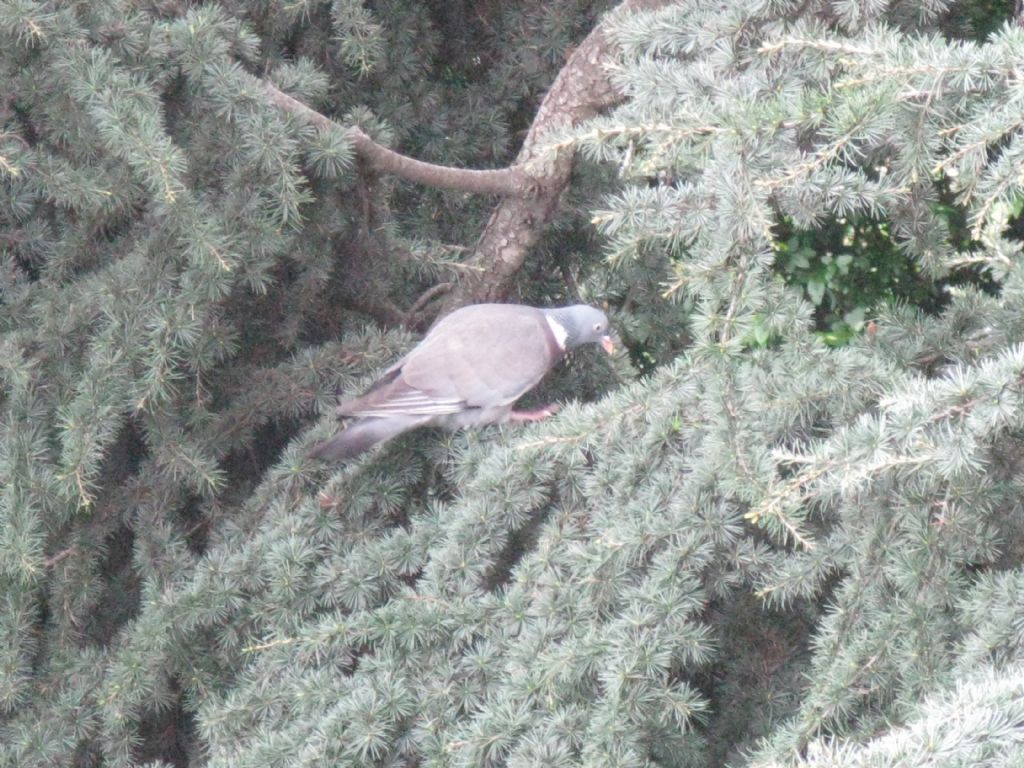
608 344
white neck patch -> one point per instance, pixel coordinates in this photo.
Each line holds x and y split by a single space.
558 330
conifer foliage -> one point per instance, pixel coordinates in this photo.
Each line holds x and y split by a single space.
734 545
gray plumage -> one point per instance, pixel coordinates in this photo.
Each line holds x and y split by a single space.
468 371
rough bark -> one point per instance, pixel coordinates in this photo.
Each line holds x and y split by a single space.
581 90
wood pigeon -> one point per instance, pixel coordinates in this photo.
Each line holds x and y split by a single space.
468 371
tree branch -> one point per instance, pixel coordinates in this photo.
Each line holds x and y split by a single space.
530 187
580 91
378 158
428 296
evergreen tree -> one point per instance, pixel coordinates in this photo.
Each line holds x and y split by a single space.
735 545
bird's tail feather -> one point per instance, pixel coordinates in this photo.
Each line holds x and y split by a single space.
361 436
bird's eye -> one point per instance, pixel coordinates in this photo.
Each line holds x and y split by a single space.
597 327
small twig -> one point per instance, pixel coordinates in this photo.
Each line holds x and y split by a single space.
381 310
549 441
425 298
269 644
53 560
822 45
570 279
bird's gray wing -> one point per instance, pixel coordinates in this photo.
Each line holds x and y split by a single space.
487 355
483 356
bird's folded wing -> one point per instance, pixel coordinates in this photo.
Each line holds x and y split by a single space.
491 357
482 357
406 402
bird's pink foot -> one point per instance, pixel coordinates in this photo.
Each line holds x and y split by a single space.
538 414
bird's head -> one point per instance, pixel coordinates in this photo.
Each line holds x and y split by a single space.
583 324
